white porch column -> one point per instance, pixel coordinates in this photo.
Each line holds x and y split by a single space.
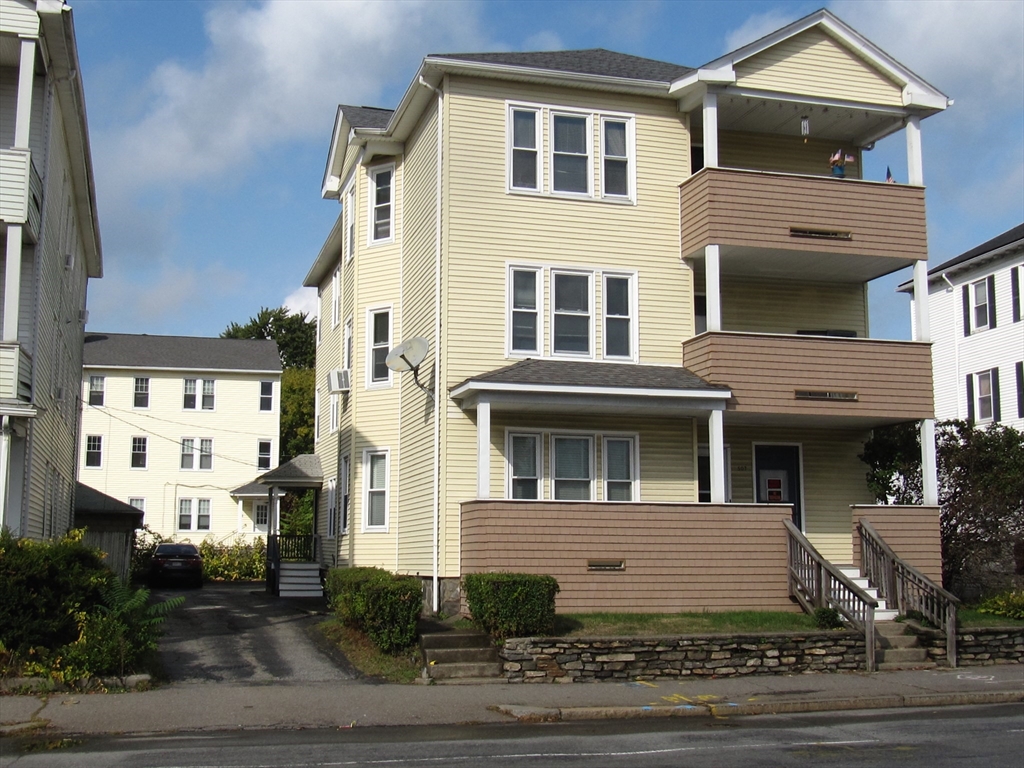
922 323
713 286
915 165
12 282
26 75
238 527
6 437
716 454
929 471
710 129
483 449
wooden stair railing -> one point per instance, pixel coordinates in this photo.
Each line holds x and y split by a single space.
905 588
815 583
303 549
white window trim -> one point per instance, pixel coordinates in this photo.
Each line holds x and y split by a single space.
634 323
541 479
194 514
975 326
269 454
256 525
200 383
554 112
272 396
85 454
371 204
589 436
509 301
336 297
197 454
149 392
370 312
141 506
592 313
634 455
102 388
316 414
335 411
630 121
345 477
367 528
350 221
346 345
538 125
991 397
131 452
332 507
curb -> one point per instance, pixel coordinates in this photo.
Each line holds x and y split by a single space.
566 714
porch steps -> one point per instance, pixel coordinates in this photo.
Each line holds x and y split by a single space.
899 648
299 580
882 612
460 656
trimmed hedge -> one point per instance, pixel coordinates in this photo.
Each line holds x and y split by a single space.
384 605
511 604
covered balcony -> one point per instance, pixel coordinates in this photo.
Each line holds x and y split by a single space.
15 372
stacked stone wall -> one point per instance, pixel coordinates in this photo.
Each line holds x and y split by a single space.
975 647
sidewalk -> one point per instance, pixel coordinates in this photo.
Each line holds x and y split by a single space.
217 706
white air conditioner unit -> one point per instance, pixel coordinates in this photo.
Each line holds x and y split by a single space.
339 380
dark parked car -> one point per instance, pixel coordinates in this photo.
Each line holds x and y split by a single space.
176 562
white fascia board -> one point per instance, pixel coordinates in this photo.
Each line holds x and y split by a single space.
377 144
329 254
474 387
18 409
196 371
331 186
930 100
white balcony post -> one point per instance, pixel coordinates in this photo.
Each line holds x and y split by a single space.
12 283
922 323
23 111
713 287
483 449
710 129
929 471
716 455
238 526
915 165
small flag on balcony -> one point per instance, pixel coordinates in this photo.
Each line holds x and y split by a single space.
838 162
888 176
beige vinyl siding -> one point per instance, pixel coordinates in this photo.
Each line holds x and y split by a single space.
236 425
815 64
328 357
788 306
832 476
783 154
18 17
913 532
416 487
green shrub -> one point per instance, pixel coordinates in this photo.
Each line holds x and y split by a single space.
511 604
828 618
345 588
1009 604
143 547
45 586
239 561
391 608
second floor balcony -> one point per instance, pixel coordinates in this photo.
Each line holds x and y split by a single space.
21 191
15 372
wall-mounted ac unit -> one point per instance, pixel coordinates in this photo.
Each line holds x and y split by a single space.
339 380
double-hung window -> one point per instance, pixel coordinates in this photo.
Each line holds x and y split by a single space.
141 399
96 389
375 469
571 308
524 466
94 451
263 454
382 209
139 452
336 298
346 349
332 507
193 514
379 344
618 317
196 453
138 502
198 392
524 300
572 470
983 396
570 153
615 167
525 148
266 395
980 305
343 492
335 411
619 469
261 515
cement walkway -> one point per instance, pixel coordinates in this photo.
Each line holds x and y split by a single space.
217 706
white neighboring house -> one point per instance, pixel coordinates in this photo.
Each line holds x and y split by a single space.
978 332
180 427
49 248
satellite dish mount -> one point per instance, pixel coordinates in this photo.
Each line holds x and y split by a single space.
408 356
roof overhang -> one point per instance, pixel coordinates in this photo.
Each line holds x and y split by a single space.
937 274
505 396
18 409
329 255
203 369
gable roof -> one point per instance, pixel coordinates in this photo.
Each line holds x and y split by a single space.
366 117
1007 238
89 501
303 471
589 61
196 353
573 373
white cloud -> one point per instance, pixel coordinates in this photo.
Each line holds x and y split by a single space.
302 300
756 27
545 40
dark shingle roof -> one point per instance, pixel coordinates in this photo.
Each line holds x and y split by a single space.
1009 236
592 61
303 471
89 501
366 117
125 350
570 373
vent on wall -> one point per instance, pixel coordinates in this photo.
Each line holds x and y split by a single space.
606 565
812 394
820 234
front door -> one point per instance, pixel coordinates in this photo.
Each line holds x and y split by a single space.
777 474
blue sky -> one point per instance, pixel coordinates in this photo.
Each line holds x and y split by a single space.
210 124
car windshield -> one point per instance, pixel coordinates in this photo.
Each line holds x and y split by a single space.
173 550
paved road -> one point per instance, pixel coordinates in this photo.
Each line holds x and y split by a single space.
984 737
237 633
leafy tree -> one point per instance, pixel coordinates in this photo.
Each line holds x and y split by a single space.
298 386
295 334
981 494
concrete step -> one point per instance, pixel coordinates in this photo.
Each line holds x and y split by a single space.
458 655
455 639
289 592
886 666
464 670
898 641
893 629
911 656
885 614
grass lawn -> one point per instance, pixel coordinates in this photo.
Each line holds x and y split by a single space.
648 624
970 618
402 668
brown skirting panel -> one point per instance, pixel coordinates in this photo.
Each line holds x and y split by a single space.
675 557
911 531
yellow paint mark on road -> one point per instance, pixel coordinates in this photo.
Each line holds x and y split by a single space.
644 682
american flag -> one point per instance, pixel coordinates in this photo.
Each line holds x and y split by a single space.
888 176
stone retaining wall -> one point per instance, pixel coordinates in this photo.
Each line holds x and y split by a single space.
581 660
975 647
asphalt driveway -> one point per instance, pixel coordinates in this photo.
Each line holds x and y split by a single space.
237 633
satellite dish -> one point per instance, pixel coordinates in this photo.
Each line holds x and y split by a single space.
408 355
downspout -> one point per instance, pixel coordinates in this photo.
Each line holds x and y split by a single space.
6 438
437 346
